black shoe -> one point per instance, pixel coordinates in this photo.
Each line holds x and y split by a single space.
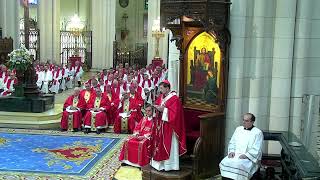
75 129
63 130
98 131
86 131
79 83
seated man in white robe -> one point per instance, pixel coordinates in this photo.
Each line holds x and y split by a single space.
244 151
70 71
56 79
46 79
78 73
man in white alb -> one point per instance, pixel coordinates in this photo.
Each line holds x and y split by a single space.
244 151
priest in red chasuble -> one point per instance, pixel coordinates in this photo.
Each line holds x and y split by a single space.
136 149
129 112
96 117
168 136
114 101
71 116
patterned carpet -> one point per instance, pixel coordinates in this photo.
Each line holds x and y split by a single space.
39 154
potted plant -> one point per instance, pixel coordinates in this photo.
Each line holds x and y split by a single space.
20 60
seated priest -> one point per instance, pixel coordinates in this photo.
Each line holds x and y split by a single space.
168 135
96 117
70 76
71 116
87 93
45 77
114 101
244 151
56 79
136 149
129 112
8 87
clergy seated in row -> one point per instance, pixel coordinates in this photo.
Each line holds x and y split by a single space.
129 112
71 119
78 73
114 102
8 85
244 151
96 116
168 136
136 149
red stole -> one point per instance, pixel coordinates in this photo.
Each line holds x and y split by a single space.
5 79
57 75
149 83
63 71
78 69
155 80
124 86
10 81
139 78
116 91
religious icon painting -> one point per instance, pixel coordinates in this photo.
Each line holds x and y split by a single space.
124 3
203 72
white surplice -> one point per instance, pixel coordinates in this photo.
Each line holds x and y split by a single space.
249 143
45 77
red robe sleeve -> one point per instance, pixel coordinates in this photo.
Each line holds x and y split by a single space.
82 103
176 122
68 102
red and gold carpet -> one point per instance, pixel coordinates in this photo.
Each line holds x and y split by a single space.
46 154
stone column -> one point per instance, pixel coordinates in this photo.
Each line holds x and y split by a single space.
153 14
49 25
282 64
9 20
103 32
301 73
283 48
173 65
238 21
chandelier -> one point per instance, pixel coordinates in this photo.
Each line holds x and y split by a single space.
75 25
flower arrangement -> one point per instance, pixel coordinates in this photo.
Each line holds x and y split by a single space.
20 59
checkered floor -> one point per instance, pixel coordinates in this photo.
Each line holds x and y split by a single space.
196 102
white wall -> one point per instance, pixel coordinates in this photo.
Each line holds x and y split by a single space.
274 60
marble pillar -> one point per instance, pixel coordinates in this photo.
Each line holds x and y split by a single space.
237 58
9 20
173 65
103 33
49 26
153 14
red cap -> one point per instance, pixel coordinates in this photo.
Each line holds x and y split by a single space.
166 81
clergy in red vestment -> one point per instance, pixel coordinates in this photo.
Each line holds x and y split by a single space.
96 117
87 93
114 101
168 136
136 149
129 112
71 116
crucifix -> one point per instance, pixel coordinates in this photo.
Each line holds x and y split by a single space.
26 22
